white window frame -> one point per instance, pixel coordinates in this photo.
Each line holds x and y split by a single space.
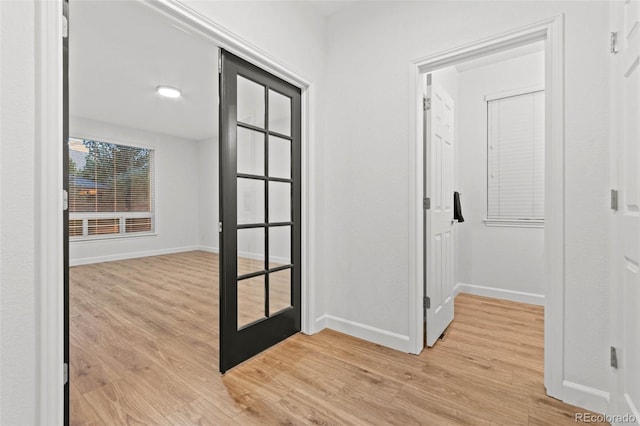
121 216
506 222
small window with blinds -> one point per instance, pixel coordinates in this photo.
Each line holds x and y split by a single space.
110 190
515 186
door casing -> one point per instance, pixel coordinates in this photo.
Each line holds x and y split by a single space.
551 31
49 105
621 245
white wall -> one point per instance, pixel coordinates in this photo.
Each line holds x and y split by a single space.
177 195
508 262
370 46
19 305
208 187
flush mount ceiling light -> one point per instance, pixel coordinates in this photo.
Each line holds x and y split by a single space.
168 91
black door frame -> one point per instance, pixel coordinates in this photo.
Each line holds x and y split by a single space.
65 212
236 345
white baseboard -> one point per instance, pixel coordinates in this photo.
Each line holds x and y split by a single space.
585 397
379 336
257 256
500 293
319 324
131 255
209 249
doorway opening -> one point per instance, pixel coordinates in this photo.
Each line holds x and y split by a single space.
435 267
147 193
142 168
484 151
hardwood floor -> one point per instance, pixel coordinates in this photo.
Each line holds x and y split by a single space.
144 350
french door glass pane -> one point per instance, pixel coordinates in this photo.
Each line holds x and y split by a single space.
279 113
250 152
279 202
279 246
279 291
251 300
279 157
250 201
250 109
250 250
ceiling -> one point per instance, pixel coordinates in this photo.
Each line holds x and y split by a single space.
120 51
327 8
115 68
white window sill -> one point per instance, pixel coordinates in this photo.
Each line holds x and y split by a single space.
111 237
515 223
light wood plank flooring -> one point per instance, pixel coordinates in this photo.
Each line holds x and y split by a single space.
144 350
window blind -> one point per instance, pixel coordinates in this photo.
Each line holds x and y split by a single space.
110 189
516 157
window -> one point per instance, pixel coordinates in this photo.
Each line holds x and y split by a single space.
515 186
110 190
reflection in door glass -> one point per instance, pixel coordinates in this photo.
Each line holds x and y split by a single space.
279 158
250 201
279 246
250 250
250 152
279 113
250 108
279 202
251 300
279 291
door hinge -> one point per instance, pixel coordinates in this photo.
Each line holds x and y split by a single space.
614 357
613 42
65 373
426 203
219 63
427 302
614 199
219 226
65 200
426 104
65 27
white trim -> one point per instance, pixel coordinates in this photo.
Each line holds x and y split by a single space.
631 408
49 105
83 136
500 293
552 31
585 397
209 249
320 323
515 223
107 237
309 300
362 331
227 40
130 255
514 92
49 271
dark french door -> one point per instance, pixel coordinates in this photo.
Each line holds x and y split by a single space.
260 210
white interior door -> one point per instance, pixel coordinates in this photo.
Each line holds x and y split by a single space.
439 239
626 90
